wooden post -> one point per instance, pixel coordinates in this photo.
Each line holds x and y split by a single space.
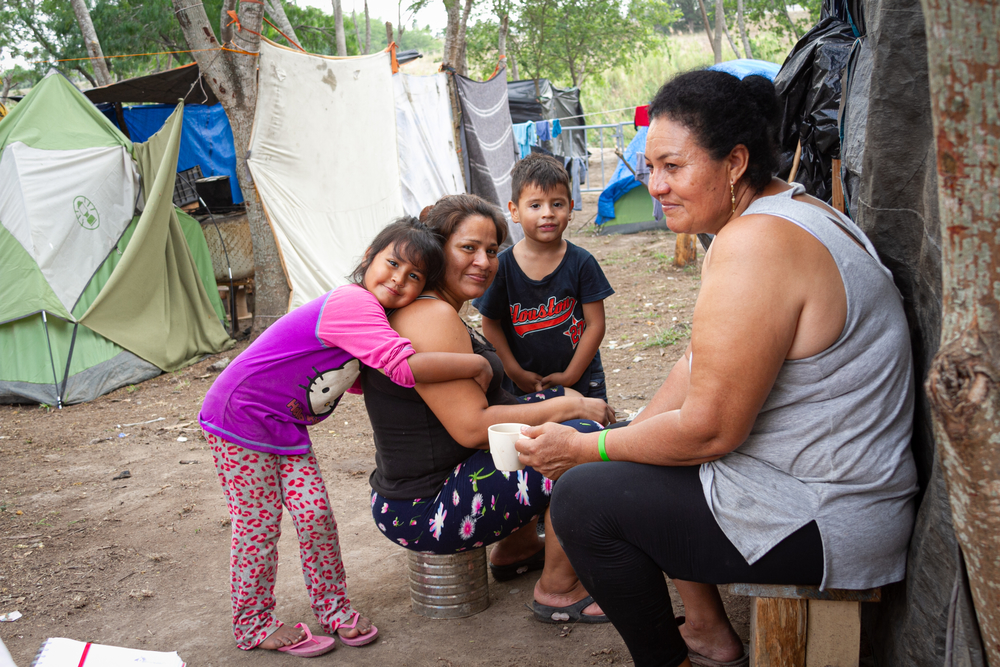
685 251
837 198
778 629
388 31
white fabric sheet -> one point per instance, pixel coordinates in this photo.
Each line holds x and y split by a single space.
324 161
428 160
67 209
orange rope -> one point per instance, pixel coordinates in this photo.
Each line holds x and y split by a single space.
392 57
127 55
499 62
290 40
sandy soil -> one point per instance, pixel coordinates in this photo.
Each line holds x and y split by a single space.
143 561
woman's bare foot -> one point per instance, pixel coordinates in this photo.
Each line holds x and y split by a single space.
286 635
718 642
363 627
567 598
519 545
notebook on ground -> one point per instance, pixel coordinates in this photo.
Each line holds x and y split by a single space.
62 652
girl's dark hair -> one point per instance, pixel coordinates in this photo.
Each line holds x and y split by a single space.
723 112
452 211
414 242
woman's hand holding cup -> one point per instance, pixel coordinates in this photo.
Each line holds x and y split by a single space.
550 448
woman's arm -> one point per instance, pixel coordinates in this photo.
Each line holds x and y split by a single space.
434 326
765 275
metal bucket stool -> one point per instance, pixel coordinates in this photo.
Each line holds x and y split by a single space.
448 586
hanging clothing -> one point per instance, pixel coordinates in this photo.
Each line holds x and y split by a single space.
641 116
526 136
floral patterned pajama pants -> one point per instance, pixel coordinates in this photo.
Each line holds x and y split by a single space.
257 485
477 505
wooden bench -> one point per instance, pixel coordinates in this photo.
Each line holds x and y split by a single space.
802 626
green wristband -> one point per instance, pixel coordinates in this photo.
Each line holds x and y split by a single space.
600 445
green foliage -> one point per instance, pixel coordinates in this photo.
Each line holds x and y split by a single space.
568 41
46 31
636 83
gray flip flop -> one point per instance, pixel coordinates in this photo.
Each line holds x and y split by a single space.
569 614
702 661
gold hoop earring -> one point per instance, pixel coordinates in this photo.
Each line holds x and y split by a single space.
732 195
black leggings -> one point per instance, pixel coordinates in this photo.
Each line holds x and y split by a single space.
624 525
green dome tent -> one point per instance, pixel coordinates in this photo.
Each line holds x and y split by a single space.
94 295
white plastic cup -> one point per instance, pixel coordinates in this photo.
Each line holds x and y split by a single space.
502 439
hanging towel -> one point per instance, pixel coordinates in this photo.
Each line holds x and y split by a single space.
525 135
556 128
543 131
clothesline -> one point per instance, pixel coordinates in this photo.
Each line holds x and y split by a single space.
597 113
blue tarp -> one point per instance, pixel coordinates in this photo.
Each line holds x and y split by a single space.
745 67
206 138
622 180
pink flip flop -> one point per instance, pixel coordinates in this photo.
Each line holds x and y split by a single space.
311 646
360 640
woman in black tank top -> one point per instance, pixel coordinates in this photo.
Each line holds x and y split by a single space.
435 487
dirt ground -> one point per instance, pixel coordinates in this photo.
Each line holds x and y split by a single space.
142 561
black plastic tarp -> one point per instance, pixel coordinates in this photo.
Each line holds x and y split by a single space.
160 88
546 102
528 101
809 85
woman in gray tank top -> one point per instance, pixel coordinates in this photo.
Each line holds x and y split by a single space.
777 450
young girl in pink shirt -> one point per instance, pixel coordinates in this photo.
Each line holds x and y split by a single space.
255 418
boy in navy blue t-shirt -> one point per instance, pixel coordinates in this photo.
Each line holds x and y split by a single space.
544 312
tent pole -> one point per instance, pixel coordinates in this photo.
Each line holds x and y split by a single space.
69 358
55 378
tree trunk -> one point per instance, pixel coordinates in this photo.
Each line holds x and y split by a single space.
451 50
8 81
357 29
720 26
708 29
513 67
277 12
101 72
368 31
795 28
743 28
338 26
462 62
732 44
502 41
400 26
226 26
964 381
233 78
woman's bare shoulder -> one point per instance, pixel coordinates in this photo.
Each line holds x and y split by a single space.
432 326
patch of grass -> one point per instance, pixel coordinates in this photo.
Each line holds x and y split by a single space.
668 337
131 389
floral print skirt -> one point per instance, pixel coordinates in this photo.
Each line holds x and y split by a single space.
478 505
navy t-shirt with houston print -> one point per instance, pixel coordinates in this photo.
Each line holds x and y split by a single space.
543 319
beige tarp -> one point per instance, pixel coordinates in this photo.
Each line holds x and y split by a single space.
324 161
